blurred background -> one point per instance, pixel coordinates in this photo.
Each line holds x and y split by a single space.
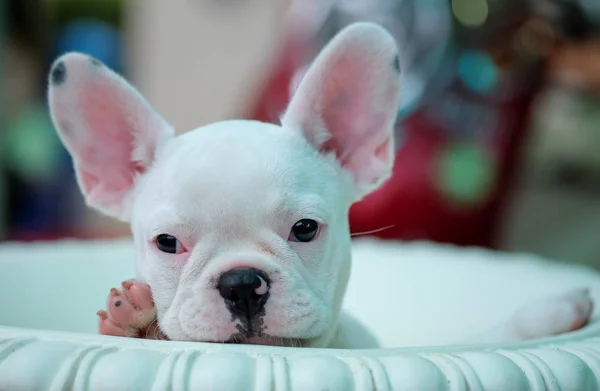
497 135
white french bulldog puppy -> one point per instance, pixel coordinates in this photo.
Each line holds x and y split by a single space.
241 227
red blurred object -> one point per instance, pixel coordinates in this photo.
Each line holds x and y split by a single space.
413 208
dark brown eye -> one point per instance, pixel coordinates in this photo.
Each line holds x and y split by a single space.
304 230
169 244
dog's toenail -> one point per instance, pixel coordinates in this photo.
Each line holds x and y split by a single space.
117 303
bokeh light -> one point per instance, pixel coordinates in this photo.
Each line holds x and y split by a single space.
470 13
465 173
33 145
478 71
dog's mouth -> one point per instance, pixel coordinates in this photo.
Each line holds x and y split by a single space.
268 340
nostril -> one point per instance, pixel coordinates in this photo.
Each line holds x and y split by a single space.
231 295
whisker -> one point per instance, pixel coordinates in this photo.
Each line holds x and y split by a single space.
160 335
373 231
147 330
156 330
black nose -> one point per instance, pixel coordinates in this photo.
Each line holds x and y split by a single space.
245 291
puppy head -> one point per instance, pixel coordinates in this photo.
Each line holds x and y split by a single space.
241 227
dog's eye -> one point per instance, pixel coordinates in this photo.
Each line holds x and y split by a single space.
169 244
304 230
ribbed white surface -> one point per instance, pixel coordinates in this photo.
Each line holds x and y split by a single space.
408 294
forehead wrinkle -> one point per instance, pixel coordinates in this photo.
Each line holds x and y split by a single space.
165 219
221 205
218 176
238 176
304 206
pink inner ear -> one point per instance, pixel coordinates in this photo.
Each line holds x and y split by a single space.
98 191
111 132
359 98
343 106
383 151
347 103
108 168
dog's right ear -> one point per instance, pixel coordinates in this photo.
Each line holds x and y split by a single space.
346 104
111 132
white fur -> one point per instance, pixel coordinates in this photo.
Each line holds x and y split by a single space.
231 191
233 202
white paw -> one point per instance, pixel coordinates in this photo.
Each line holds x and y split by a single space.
555 315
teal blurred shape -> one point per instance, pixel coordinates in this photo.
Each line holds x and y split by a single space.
477 70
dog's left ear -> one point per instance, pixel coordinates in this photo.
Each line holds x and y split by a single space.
111 131
347 102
